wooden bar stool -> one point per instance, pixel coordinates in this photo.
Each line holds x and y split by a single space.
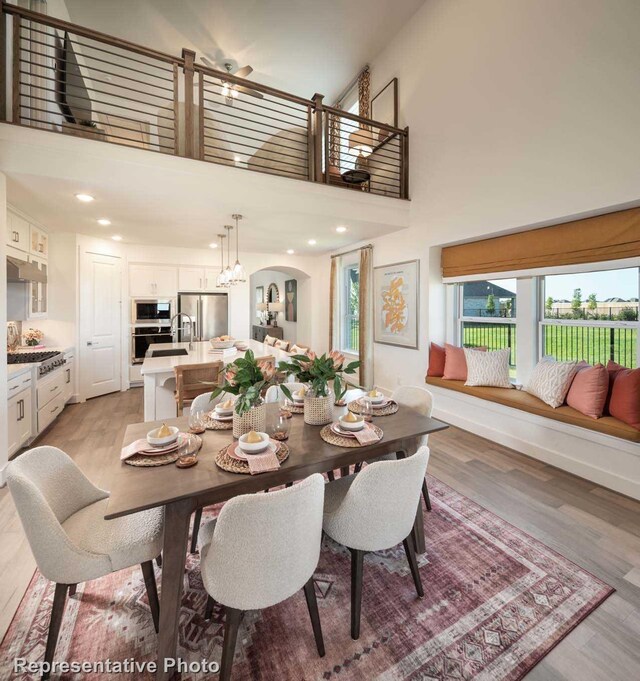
194 379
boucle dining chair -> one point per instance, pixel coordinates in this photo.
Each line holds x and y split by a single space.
373 511
62 514
260 550
194 379
275 394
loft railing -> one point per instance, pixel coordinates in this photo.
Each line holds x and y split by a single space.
72 80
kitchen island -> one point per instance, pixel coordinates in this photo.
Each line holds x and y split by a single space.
159 377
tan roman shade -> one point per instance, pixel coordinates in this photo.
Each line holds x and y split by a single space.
605 237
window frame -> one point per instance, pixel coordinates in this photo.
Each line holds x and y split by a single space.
346 318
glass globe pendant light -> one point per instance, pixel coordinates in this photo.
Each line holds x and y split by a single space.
228 272
221 279
238 270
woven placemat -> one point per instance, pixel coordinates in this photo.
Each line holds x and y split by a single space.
228 463
333 439
295 409
387 410
163 459
214 424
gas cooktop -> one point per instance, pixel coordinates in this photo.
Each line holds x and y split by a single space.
48 360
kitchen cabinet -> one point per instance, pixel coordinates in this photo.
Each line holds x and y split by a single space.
153 280
39 293
39 242
17 233
69 377
197 279
19 420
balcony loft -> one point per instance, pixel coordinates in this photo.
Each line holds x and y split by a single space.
64 78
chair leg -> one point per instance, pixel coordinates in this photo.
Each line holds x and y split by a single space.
197 517
208 611
289 484
312 605
59 598
331 476
409 549
357 563
425 494
72 589
159 561
152 592
233 618
358 467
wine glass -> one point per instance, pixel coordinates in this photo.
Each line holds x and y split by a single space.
197 422
366 410
280 427
285 406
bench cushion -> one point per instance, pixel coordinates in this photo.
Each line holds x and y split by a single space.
519 399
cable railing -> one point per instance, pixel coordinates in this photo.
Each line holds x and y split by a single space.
68 79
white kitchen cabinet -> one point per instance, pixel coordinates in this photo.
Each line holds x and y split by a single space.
19 420
38 243
166 281
210 276
50 412
17 233
190 279
153 281
38 298
69 377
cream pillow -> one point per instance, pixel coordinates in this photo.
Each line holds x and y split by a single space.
282 345
488 368
298 350
551 380
270 340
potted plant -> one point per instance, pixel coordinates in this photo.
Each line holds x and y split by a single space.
247 378
318 373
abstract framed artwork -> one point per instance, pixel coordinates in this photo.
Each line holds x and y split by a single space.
396 291
291 300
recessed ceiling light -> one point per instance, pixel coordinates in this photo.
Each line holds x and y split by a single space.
116 237
104 222
341 229
85 198
290 251
312 242
213 245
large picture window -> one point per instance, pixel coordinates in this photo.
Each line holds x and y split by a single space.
350 309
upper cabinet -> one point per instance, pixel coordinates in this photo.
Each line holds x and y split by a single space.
155 281
39 299
197 279
39 242
17 232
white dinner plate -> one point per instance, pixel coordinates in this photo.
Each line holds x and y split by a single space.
237 453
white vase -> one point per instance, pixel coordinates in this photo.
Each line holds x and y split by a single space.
254 419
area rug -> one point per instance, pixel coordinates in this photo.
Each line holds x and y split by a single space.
496 601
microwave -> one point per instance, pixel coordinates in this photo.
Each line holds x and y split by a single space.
151 310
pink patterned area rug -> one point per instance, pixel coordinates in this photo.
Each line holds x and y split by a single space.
496 601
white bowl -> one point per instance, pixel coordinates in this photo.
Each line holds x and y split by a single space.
221 345
155 441
223 410
254 447
374 400
352 425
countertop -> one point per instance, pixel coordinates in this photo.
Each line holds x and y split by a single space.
14 370
201 354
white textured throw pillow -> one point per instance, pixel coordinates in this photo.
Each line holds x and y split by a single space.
551 380
488 368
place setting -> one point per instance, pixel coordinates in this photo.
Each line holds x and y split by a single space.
351 430
374 403
253 453
221 416
163 446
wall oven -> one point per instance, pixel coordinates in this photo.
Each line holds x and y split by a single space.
144 336
151 311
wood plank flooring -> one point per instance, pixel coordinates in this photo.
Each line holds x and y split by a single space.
596 528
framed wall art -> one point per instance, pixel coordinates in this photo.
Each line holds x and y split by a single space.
396 292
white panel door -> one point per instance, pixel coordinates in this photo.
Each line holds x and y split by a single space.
100 324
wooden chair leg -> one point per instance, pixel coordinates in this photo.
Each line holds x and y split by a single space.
72 589
289 484
208 611
233 618
344 471
425 494
409 549
152 592
331 476
197 517
358 467
312 605
159 561
357 563
59 598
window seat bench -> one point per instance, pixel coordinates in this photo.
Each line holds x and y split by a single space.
519 399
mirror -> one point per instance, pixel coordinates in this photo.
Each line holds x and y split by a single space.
273 295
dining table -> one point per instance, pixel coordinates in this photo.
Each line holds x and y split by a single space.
182 491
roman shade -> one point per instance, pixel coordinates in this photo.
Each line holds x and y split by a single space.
605 237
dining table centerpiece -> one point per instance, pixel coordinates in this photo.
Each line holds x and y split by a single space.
247 378
323 378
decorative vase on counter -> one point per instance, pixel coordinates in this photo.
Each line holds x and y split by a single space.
254 419
318 411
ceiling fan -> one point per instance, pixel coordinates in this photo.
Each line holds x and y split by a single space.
230 90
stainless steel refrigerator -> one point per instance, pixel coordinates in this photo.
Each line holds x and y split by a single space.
209 311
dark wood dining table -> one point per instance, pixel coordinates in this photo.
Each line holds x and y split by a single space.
183 491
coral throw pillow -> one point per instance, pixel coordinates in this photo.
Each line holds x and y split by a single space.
624 401
436 360
455 364
589 390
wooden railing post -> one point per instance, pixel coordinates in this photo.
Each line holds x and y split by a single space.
317 138
189 57
15 78
405 164
3 66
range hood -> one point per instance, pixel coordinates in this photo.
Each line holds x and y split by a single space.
21 270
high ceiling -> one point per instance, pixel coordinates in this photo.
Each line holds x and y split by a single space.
301 46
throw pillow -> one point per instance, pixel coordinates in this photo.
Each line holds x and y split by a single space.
298 349
282 345
455 365
488 368
270 340
436 360
624 401
550 381
589 390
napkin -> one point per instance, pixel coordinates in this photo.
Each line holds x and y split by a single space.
366 436
133 449
263 463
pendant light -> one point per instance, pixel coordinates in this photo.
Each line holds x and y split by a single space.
221 279
238 270
228 272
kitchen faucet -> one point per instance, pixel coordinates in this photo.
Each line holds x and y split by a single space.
189 325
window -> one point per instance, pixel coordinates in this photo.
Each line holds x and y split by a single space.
347 126
487 315
591 316
349 308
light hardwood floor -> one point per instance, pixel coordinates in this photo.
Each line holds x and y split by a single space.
596 528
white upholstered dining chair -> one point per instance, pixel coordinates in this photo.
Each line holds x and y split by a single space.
62 514
375 510
275 394
260 550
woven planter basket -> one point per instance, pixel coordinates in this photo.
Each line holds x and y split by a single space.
318 411
254 419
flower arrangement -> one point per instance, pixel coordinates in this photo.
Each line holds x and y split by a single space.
318 372
32 336
246 378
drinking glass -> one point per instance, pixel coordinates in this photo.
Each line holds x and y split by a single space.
366 410
197 422
285 406
280 427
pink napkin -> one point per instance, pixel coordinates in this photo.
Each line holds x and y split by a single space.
366 436
133 449
263 463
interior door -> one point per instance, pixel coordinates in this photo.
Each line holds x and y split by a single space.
100 324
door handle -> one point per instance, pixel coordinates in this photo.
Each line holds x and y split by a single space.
89 343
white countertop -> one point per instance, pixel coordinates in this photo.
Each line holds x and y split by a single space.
17 369
201 354
14 370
